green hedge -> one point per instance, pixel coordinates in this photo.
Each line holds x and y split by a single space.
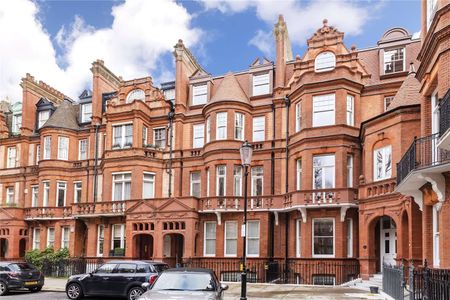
36 257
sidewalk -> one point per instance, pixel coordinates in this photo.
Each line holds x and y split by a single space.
266 291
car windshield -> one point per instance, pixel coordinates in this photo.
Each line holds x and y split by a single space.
20 266
184 281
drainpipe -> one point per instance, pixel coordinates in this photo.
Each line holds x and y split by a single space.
272 182
97 126
287 103
171 115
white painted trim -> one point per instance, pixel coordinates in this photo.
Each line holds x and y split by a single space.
204 239
334 239
225 239
298 238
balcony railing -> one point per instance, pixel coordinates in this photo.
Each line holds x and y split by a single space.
321 197
444 114
422 153
48 212
377 188
237 203
104 207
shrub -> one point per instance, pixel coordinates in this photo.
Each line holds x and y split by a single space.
37 258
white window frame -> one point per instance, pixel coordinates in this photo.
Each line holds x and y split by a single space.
16 123
384 174
334 239
299 174
10 195
169 94
325 61
323 175
298 117
50 242
349 170
77 186
199 94
237 180
255 178
239 126
123 138
207 183
436 237
41 119
431 10
228 237
198 135
82 153
86 114
47 147
206 238
259 129
258 238
218 178
58 189
350 110
386 57
221 125
136 94
63 147
36 238
34 195
386 100
100 240
298 238
349 237
208 130
261 84
121 181
46 193
147 180
162 143
196 181
324 110
65 242
38 153
12 157
144 136
122 235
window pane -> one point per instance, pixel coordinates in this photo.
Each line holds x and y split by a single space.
325 61
258 129
324 110
323 236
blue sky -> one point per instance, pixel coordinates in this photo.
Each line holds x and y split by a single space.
137 38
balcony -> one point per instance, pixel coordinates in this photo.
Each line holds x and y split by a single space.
104 208
444 122
322 197
423 162
48 213
233 203
377 189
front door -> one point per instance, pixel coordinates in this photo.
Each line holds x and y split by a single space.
388 242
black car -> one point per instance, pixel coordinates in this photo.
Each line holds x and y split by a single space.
115 278
19 275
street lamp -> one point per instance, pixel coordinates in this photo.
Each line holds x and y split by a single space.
246 158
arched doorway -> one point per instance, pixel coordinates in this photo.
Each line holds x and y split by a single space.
143 246
383 241
22 247
3 247
173 249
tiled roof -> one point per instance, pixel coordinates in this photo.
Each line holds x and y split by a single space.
65 116
229 89
408 93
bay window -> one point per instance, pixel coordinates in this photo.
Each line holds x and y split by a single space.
237 181
350 110
210 239
36 238
47 146
231 236
159 137
298 117
148 186
259 124
51 237
208 129
77 188
63 147
252 237
221 126
257 181
323 110
61 193
221 180
65 237
382 163
349 171
198 131
195 184
144 136
82 149
34 195
122 136
46 194
10 195
239 126
12 156
299 174
121 186
323 171
323 237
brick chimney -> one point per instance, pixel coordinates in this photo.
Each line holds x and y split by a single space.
283 51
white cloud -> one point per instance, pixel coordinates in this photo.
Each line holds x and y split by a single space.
303 19
141 33
264 42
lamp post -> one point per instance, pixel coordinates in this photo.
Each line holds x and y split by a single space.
246 158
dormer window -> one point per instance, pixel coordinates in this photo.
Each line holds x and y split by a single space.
86 112
43 116
261 84
199 94
170 94
136 94
16 123
394 60
325 61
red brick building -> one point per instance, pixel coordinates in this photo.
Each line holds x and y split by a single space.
133 170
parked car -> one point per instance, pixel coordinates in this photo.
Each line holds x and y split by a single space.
19 275
115 278
185 283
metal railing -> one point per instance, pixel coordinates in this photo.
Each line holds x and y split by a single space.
444 114
422 153
70 266
393 281
429 284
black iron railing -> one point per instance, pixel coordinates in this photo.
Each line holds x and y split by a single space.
422 153
429 284
444 114
393 281
70 266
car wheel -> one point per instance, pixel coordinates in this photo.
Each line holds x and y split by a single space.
3 288
35 289
74 291
134 293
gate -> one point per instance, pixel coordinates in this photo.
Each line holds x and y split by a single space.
393 281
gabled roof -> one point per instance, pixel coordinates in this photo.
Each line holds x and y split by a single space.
229 89
408 93
65 116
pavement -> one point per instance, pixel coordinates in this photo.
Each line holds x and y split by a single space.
54 289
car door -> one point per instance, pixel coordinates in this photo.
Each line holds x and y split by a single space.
98 282
121 278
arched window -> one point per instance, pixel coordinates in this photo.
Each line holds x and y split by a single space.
136 94
325 61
